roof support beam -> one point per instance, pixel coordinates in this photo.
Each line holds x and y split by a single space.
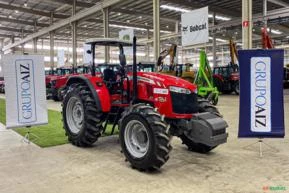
24 22
31 11
15 30
216 9
279 2
80 15
273 14
137 13
7 36
119 10
70 2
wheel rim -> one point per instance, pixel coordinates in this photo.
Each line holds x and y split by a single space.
136 138
74 114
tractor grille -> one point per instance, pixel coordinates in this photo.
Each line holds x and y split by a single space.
184 103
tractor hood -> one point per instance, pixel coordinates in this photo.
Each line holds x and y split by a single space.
165 80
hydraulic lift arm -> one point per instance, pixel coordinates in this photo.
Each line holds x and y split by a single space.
172 52
266 39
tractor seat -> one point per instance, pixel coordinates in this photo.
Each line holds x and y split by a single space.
110 79
109 75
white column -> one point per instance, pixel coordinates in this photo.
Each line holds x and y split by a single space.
156 18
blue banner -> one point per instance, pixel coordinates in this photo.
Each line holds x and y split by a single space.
261 93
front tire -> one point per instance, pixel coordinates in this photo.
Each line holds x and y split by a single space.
237 87
82 119
144 137
204 106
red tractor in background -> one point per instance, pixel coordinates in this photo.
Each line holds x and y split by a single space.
226 78
2 85
148 108
52 75
58 82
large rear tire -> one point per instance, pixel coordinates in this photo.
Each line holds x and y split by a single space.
204 106
144 137
82 119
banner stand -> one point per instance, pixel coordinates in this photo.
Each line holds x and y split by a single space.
260 142
26 138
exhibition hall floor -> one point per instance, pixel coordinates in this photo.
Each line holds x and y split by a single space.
101 169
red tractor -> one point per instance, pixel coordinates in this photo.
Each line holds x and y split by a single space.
226 78
57 82
2 85
49 76
148 108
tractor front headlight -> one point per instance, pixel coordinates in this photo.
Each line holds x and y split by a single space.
179 90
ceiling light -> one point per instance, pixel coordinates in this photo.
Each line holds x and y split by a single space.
136 28
10 16
119 14
173 8
223 18
140 17
218 39
127 21
221 40
274 31
178 9
16 11
167 26
25 4
146 23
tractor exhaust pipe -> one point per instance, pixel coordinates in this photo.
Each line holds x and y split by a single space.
93 57
134 73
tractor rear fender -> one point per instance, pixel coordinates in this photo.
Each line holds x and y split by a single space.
205 128
98 90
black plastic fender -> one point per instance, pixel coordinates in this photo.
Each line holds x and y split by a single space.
83 79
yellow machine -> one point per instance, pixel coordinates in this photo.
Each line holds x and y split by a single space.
180 70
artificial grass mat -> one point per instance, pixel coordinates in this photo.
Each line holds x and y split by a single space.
48 135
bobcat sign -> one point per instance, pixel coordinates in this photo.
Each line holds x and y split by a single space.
195 27
24 90
261 93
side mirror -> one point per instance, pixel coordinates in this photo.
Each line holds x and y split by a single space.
88 51
122 60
